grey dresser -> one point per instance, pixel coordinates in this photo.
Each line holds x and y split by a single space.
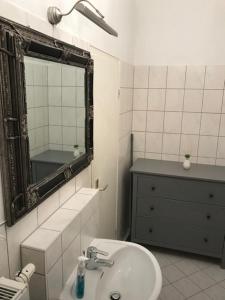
179 209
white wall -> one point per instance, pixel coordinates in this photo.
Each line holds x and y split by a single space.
119 14
179 32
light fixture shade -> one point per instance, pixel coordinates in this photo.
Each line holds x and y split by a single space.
94 18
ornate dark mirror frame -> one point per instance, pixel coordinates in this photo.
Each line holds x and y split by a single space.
16 41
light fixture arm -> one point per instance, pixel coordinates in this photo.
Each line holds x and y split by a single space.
79 1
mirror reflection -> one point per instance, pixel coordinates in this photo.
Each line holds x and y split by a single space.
55 114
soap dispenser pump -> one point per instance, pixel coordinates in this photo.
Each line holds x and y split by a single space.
80 280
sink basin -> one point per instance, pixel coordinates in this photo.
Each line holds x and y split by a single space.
135 274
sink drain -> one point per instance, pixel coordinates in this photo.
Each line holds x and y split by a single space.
115 296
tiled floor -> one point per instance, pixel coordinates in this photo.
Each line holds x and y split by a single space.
187 276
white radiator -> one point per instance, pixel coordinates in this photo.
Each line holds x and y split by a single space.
13 290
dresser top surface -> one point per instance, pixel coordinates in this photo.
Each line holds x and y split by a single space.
175 169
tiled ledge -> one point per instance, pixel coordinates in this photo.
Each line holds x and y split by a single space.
56 244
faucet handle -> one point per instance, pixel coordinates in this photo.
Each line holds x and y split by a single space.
93 251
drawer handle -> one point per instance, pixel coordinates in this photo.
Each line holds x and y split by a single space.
153 188
208 217
152 208
206 240
211 195
150 230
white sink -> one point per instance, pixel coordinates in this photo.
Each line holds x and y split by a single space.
135 274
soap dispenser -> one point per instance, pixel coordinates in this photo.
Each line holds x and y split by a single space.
79 285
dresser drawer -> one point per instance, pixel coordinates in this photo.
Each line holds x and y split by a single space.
164 232
201 215
181 189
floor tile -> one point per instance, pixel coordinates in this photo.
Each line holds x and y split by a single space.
187 266
216 273
200 296
172 273
202 280
216 292
170 293
165 281
222 284
186 287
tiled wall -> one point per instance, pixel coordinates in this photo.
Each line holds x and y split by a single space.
125 128
56 106
66 107
37 106
12 237
179 110
55 246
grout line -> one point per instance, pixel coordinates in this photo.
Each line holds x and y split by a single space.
203 94
164 113
182 112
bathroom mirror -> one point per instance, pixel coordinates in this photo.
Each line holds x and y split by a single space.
46 116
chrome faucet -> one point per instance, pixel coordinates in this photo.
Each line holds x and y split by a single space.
94 262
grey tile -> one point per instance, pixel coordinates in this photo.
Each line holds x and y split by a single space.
170 293
216 292
186 287
172 273
187 266
200 296
202 280
216 273
222 284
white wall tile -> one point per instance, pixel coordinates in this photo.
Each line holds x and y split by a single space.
80 96
215 76
69 135
55 281
171 143
15 235
83 179
170 157
222 125
172 122
207 146
140 99
157 77
156 99
55 95
48 207
139 141
68 116
126 75
126 100
154 142
212 101
137 155
4 267
141 74
191 123
69 96
54 75
37 287
221 147
195 77
210 124
176 76
153 155
68 76
155 121
55 135
206 160
139 120
193 100
70 258
189 144
55 115
66 191
174 100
